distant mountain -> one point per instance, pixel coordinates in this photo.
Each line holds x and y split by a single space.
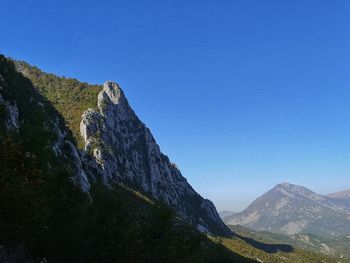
291 209
225 213
342 195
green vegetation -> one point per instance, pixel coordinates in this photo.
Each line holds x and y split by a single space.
237 245
44 215
338 246
51 218
69 96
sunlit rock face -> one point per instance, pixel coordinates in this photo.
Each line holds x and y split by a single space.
125 151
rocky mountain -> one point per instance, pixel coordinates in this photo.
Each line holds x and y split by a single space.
124 151
58 206
291 209
118 148
341 195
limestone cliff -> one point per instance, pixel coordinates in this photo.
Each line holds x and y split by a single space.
126 152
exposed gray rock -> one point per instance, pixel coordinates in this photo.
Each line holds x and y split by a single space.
125 151
59 146
11 121
81 178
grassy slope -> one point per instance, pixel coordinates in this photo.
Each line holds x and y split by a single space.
338 245
69 96
298 254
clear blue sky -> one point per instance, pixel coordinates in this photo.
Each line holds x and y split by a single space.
240 94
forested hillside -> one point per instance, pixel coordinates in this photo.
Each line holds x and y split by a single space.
43 214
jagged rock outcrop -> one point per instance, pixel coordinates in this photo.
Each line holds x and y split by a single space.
118 146
11 121
126 152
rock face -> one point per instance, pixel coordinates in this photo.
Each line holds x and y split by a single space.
124 151
291 209
11 121
119 148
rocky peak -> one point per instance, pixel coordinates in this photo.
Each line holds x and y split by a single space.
285 185
297 191
291 187
124 150
118 147
111 101
114 92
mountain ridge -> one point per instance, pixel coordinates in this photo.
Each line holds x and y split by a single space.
125 151
54 209
116 147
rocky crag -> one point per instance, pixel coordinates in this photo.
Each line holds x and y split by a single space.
124 151
118 148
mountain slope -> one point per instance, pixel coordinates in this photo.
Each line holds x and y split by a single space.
69 96
291 209
336 246
30 117
126 151
119 148
268 248
51 209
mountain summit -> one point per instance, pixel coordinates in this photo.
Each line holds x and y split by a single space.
62 203
291 209
125 151
116 147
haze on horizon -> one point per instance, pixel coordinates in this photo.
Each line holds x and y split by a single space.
241 95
